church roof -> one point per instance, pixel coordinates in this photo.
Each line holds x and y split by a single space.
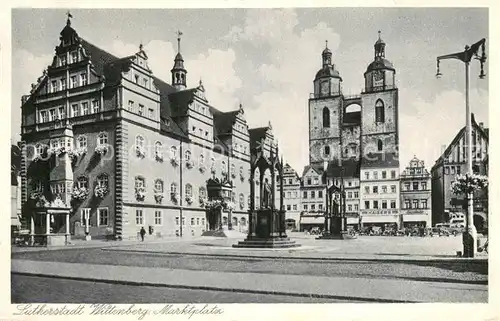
380 63
380 160
318 168
457 137
327 71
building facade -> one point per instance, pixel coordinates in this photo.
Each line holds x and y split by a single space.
359 137
125 149
453 162
292 197
416 200
313 197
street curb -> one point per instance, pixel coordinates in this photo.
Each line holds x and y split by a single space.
209 288
238 256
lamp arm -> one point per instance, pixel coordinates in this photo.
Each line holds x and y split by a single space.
458 55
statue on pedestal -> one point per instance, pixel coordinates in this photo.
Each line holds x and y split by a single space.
267 197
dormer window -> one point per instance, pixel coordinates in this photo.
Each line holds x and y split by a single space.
83 79
136 79
62 60
74 57
63 83
74 82
145 82
53 85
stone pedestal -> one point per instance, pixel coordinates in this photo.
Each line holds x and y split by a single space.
88 237
269 232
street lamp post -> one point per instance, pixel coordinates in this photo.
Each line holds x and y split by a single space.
470 236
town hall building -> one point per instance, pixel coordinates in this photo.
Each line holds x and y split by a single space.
108 148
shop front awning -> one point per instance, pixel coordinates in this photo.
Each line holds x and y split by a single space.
312 220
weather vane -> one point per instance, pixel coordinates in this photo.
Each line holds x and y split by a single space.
179 34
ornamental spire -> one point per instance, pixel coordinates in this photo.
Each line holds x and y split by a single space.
179 34
68 21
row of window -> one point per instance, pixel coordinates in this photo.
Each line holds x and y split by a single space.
313 207
374 175
74 57
140 182
102 216
383 204
77 109
81 143
313 194
102 180
415 186
416 204
452 170
139 217
375 189
62 83
140 110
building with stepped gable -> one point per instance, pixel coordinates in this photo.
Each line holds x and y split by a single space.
110 148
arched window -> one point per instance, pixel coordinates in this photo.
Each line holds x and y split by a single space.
379 112
241 171
242 200
202 159
380 145
223 166
233 169
326 117
159 186
189 190
140 182
102 139
139 141
39 149
103 180
173 188
173 152
202 192
327 150
158 149
187 155
82 142
243 221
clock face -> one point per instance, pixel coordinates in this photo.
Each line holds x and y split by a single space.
324 88
378 78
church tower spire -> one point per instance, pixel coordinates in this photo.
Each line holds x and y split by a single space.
178 71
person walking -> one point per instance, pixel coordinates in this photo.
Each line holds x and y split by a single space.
142 232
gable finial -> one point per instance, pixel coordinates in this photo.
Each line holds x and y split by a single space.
68 21
179 34
379 34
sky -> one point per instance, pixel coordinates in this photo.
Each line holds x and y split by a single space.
266 59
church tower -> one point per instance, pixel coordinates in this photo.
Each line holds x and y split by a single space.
178 71
379 132
325 112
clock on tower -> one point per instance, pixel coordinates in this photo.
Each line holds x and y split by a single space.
378 78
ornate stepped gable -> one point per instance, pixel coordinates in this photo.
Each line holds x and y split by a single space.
109 69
